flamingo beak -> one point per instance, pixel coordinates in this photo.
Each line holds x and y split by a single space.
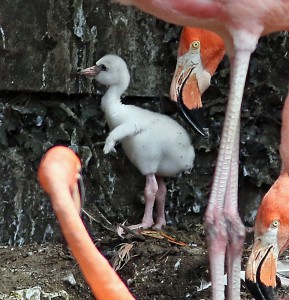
261 270
90 72
78 193
185 91
81 189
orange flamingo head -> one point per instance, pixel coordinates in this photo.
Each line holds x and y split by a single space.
59 168
200 52
271 239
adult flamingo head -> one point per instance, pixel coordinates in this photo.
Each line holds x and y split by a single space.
271 239
58 174
200 52
60 166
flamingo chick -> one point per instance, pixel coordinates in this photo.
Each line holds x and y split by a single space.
58 174
240 24
199 54
156 144
271 239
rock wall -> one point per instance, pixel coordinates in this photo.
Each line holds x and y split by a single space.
43 44
42 103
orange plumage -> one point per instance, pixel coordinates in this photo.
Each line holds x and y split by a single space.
199 54
271 239
275 206
212 46
58 174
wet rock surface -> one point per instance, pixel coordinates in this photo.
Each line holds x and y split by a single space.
44 43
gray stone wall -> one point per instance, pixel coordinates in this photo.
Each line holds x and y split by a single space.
43 44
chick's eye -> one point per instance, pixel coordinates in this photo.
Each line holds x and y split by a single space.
276 223
103 67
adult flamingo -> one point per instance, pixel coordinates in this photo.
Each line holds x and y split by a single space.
240 24
199 54
58 175
271 231
271 239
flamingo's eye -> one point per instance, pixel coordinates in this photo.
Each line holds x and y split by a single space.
275 223
195 45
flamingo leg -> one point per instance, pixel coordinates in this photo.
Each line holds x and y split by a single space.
160 203
150 192
235 227
215 219
284 146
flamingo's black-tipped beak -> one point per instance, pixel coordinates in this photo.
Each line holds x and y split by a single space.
194 117
185 91
261 270
78 193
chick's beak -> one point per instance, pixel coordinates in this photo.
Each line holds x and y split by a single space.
90 72
261 272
